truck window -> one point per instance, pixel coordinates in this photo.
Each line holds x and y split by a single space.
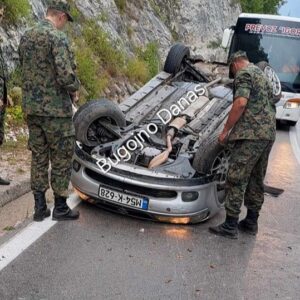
274 41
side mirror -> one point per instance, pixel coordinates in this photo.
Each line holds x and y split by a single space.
227 35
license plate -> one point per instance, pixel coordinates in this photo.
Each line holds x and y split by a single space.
130 200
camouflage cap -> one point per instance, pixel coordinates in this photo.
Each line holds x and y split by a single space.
61 5
236 55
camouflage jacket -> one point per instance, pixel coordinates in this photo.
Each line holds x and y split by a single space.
48 71
258 121
3 76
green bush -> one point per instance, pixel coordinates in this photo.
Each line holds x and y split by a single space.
150 56
14 115
15 10
121 5
88 72
15 79
261 6
129 31
75 13
14 86
137 70
105 50
104 17
16 95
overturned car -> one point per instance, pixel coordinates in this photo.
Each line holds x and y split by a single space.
156 156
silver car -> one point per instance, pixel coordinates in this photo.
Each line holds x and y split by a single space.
156 156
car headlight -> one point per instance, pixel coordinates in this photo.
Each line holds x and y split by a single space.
292 103
189 196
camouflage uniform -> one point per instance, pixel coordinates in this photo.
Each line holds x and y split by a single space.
3 96
250 141
48 70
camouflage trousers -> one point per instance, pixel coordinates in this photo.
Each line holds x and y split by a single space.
247 169
51 140
2 117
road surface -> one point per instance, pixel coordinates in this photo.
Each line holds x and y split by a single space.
109 256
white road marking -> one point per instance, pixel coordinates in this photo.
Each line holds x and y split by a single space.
295 140
26 237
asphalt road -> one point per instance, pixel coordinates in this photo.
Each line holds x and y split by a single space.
108 256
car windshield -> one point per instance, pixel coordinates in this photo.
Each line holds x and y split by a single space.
279 48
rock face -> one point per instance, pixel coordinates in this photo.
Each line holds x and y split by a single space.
201 23
198 23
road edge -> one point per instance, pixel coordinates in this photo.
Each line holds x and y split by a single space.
14 191
15 246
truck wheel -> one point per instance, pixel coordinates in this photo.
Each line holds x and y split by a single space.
212 158
98 122
272 76
175 58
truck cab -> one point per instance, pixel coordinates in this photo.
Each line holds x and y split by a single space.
275 40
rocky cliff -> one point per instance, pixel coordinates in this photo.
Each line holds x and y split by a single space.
198 23
132 24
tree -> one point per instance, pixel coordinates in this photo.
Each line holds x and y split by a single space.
262 6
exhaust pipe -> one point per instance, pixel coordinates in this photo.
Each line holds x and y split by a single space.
163 157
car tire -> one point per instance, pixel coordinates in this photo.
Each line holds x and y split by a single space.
275 81
83 107
209 155
175 58
89 114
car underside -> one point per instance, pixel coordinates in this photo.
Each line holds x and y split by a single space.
156 155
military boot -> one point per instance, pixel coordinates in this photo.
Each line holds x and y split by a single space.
227 229
40 208
4 182
62 212
249 224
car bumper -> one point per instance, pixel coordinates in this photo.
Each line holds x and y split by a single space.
286 114
165 196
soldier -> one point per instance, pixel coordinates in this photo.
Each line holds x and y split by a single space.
3 95
49 87
251 130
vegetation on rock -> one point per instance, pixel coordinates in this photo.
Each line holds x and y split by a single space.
121 5
261 6
15 10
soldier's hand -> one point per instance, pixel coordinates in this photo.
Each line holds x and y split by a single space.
75 97
223 137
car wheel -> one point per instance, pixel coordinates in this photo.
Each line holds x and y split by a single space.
175 58
83 107
98 122
272 76
212 158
